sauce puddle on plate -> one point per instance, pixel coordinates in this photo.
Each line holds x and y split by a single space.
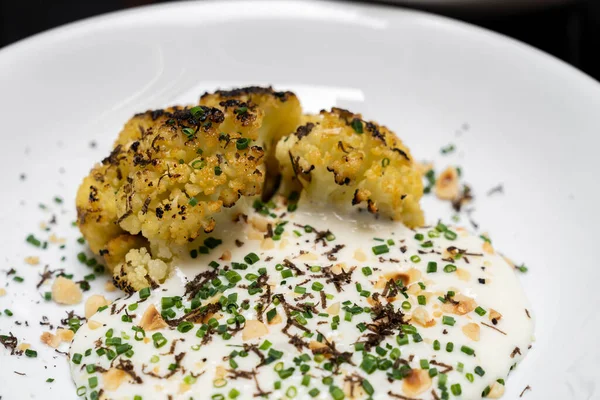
314 305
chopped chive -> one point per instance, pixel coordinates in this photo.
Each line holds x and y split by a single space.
467 350
456 389
242 143
31 353
380 249
251 258
448 320
357 125
450 268
431 267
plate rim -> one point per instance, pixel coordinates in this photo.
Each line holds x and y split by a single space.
447 22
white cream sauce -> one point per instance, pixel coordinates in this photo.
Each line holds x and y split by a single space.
501 343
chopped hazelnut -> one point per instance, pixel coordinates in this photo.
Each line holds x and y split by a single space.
50 339
65 291
254 329
496 391
152 320
417 382
465 305
276 320
421 317
56 240
31 260
267 244
226 256
308 256
93 303
109 286
23 346
360 255
488 248
113 378
471 330
494 315
333 309
66 335
463 274
446 186
93 325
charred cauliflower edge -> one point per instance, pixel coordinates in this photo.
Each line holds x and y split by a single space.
171 172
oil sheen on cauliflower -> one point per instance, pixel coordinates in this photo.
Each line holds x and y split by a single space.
338 158
171 172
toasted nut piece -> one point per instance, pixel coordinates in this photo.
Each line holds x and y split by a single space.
276 320
488 248
421 317
463 274
56 240
471 330
32 260
184 387
93 325
333 309
152 320
255 235
446 186
267 244
319 348
494 315
220 371
23 346
113 378
254 329
65 291
226 256
260 224
50 339
360 255
66 335
465 305
93 303
496 391
411 276
109 286
417 382
354 391
308 256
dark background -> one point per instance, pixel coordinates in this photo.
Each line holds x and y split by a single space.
570 32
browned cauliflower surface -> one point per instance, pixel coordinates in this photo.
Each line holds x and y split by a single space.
338 158
172 171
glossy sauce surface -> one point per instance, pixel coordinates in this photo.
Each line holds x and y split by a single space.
323 306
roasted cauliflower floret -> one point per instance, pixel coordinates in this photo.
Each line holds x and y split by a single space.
172 171
337 157
139 270
282 111
282 116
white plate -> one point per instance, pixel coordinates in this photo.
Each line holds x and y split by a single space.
517 116
485 5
